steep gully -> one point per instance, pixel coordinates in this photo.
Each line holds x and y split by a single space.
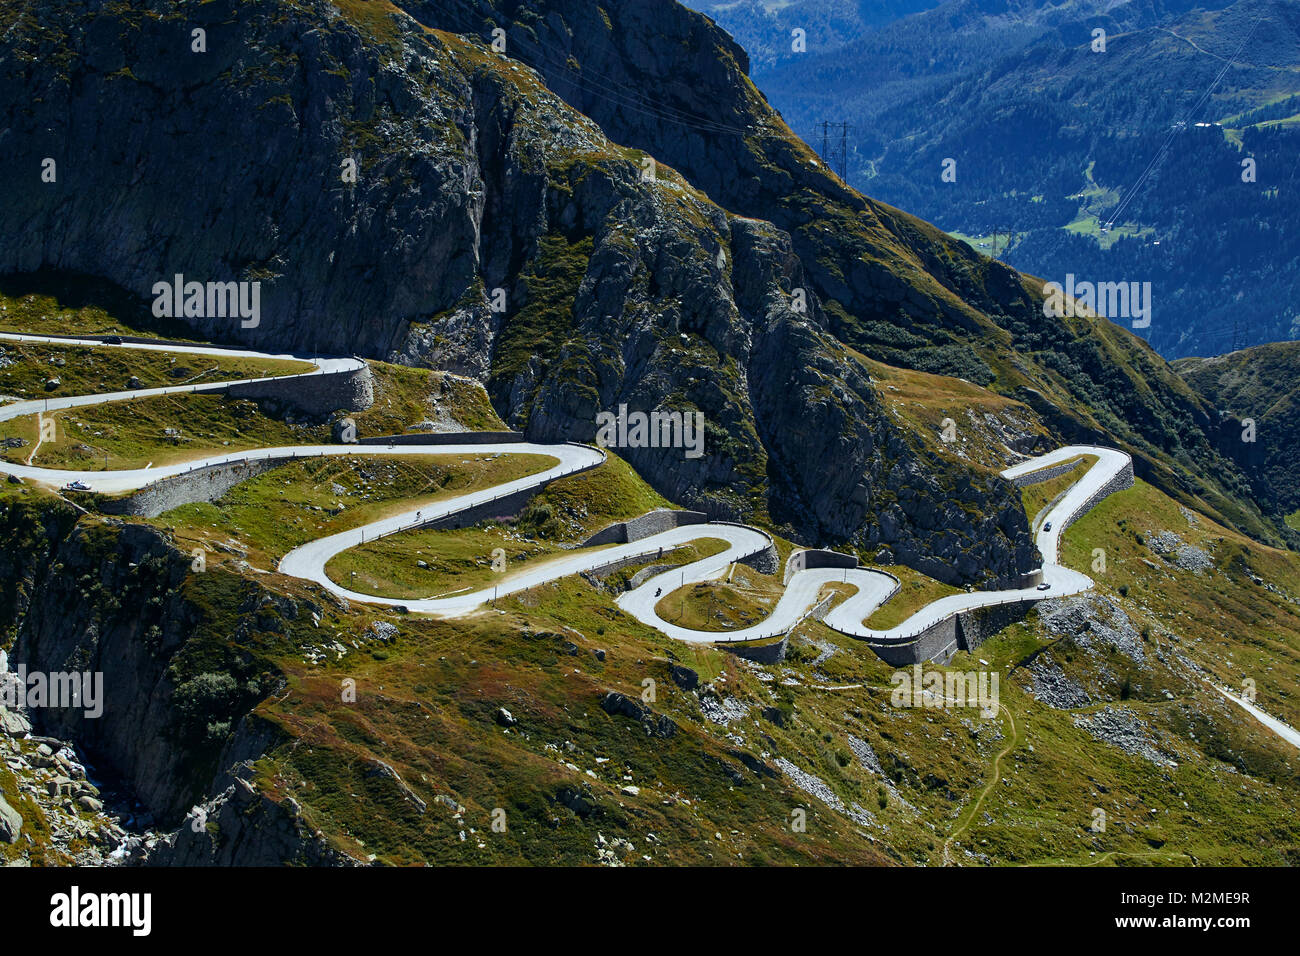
308 562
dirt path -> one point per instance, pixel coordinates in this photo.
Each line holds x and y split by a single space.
1012 742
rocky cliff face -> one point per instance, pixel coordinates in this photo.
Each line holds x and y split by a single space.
242 824
1257 394
491 230
184 658
890 285
180 654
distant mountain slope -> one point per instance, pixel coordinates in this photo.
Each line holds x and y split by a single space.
765 27
917 37
1050 137
1261 384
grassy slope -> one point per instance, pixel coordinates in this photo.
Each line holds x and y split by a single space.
132 433
456 561
426 707
1262 385
1221 618
915 592
565 512
922 403
87 370
265 517
1225 802
742 599
1250 382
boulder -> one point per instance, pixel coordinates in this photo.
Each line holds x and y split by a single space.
580 802
11 824
684 677
13 723
345 431
620 705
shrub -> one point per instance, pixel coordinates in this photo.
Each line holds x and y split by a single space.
206 703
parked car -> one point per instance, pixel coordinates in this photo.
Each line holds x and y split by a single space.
76 486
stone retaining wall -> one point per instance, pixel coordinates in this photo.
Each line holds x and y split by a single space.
596 576
646 573
963 631
654 522
936 643
314 394
766 561
822 608
508 506
807 558
593 575
444 438
1123 479
1046 474
772 653
201 484
976 627
1030 579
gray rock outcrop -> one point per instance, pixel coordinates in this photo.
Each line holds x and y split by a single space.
11 823
476 188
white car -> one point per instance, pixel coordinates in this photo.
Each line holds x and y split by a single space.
76 486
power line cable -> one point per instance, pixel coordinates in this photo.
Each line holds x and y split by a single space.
1131 194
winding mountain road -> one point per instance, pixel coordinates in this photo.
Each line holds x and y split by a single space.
875 587
308 562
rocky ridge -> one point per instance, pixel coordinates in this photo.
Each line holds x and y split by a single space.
473 177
